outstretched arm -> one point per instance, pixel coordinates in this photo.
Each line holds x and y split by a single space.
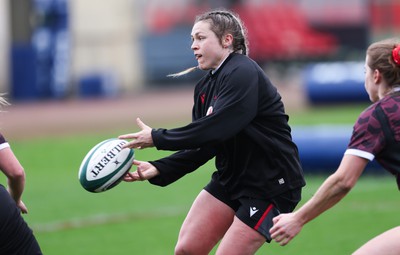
165 171
335 187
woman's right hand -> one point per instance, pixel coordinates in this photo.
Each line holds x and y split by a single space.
144 171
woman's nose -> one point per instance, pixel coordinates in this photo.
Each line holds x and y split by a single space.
194 45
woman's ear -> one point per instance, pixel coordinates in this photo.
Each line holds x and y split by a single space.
227 40
377 76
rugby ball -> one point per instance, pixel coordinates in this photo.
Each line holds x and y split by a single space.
105 165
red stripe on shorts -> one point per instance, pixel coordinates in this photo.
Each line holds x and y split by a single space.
263 216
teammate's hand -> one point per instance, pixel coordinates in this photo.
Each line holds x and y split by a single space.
141 139
286 227
144 171
22 207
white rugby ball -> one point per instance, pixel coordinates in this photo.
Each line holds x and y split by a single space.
105 165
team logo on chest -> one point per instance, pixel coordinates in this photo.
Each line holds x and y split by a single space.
209 111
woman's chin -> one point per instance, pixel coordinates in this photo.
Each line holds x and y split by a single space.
203 67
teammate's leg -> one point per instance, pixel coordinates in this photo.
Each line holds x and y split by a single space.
386 243
204 226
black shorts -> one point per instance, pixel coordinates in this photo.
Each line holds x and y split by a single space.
15 235
257 213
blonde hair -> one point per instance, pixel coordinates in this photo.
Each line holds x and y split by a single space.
3 101
186 71
223 22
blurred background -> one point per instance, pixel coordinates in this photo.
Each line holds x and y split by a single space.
313 51
58 49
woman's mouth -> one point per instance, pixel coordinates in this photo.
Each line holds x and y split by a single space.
198 56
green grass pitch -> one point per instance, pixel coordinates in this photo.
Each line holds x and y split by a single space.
138 218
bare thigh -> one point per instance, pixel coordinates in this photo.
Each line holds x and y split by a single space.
240 239
386 243
204 226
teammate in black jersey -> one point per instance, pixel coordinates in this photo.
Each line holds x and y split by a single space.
238 118
15 235
376 135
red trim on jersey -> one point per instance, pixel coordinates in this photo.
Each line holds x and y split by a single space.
264 216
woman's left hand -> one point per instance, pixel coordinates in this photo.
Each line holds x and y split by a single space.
141 139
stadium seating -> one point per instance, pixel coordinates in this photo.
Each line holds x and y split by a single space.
281 31
278 31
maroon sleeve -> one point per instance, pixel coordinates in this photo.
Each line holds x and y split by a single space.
367 133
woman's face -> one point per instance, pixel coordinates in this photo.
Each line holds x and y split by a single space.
207 48
370 86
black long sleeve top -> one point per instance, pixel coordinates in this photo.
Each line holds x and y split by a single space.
239 118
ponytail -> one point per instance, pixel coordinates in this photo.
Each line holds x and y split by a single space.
189 70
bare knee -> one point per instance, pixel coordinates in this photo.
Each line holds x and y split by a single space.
181 249
193 246
184 248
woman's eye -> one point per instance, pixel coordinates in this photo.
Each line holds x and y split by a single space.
197 38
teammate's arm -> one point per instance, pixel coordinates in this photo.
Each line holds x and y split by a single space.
15 173
335 187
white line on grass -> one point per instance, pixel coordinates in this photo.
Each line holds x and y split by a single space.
103 219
